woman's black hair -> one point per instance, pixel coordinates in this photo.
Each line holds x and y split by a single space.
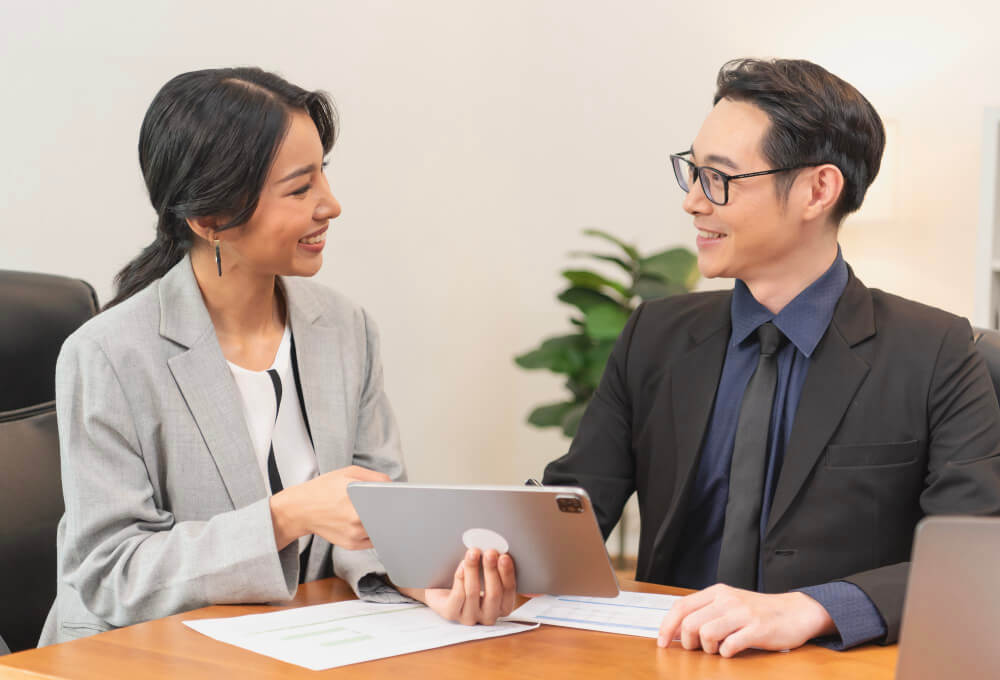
205 148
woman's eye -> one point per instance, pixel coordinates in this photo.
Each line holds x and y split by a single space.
299 192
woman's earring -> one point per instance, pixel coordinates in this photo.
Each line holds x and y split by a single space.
218 257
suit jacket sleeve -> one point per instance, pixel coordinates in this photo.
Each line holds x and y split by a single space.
377 447
600 458
128 559
963 458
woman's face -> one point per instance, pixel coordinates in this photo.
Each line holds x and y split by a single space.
287 232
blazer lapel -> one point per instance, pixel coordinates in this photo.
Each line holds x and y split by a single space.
318 350
207 385
836 372
693 382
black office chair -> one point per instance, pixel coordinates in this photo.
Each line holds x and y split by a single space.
37 313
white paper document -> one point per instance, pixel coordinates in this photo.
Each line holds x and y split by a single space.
630 613
340 633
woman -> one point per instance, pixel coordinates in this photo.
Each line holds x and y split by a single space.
211 418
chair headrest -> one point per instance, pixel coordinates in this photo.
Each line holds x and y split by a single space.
39 311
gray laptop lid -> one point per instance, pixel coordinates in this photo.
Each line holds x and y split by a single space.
951 618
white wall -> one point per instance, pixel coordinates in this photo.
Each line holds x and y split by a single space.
478 139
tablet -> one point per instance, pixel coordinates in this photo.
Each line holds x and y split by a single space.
421 533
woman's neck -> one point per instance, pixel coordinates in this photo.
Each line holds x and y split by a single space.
246 308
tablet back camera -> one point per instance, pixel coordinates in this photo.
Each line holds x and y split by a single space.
569 503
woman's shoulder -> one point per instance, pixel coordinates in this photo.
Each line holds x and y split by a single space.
318 300
131 323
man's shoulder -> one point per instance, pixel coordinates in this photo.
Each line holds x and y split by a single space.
897 313
678 311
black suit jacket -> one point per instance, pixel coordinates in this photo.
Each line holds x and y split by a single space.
898 419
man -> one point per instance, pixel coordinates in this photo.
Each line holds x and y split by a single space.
785 437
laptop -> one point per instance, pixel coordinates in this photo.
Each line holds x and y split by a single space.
951 616
421 533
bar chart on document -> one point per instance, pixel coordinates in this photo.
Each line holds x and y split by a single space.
630 613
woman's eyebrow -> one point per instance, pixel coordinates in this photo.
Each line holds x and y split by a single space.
304 170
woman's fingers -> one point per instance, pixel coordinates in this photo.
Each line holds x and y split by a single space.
456 598
493 589
473 589
505 565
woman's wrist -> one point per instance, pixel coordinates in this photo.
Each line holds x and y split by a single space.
418 594
284 518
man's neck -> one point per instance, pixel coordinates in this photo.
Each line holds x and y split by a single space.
782 281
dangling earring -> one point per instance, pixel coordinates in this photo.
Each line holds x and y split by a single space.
218 257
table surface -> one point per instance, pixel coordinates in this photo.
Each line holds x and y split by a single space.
167 649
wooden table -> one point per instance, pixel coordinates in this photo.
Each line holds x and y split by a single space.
167 649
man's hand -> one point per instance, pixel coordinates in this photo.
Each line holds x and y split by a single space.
469 601
321 506
724 620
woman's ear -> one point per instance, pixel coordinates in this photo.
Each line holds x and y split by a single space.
203 227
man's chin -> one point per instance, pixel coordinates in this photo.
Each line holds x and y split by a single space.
710 269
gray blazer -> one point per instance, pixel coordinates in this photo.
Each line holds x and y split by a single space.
166 508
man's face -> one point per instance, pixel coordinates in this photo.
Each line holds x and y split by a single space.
755 232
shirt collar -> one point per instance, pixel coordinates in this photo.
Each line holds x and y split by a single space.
804 320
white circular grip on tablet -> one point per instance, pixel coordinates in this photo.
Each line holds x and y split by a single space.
485 539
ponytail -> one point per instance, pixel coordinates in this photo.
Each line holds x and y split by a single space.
153 262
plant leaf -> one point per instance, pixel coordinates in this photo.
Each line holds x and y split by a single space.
677 265
550 415
629 250
627 266
580 391
592 280
571 421
605 322
652 288
562 354
585 298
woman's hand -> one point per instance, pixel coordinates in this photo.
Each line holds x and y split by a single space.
321 506
469 601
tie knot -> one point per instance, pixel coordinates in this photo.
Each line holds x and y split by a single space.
771 339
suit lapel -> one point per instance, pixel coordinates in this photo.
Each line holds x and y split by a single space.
318 353
208 386
836 372
693 382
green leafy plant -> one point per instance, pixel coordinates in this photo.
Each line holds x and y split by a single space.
603 305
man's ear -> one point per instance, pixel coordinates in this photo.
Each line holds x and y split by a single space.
203 227
826 184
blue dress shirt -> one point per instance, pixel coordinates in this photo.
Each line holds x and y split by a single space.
804 321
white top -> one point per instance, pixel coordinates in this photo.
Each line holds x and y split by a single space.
286 430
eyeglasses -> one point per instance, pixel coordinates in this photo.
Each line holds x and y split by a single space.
714 183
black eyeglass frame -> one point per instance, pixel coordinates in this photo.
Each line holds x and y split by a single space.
726 178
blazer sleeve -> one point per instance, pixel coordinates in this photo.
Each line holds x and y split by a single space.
963 459
600 458
129 560
377 447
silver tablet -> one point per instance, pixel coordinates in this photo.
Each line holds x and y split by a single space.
421 533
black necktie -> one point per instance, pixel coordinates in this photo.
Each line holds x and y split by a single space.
741 533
